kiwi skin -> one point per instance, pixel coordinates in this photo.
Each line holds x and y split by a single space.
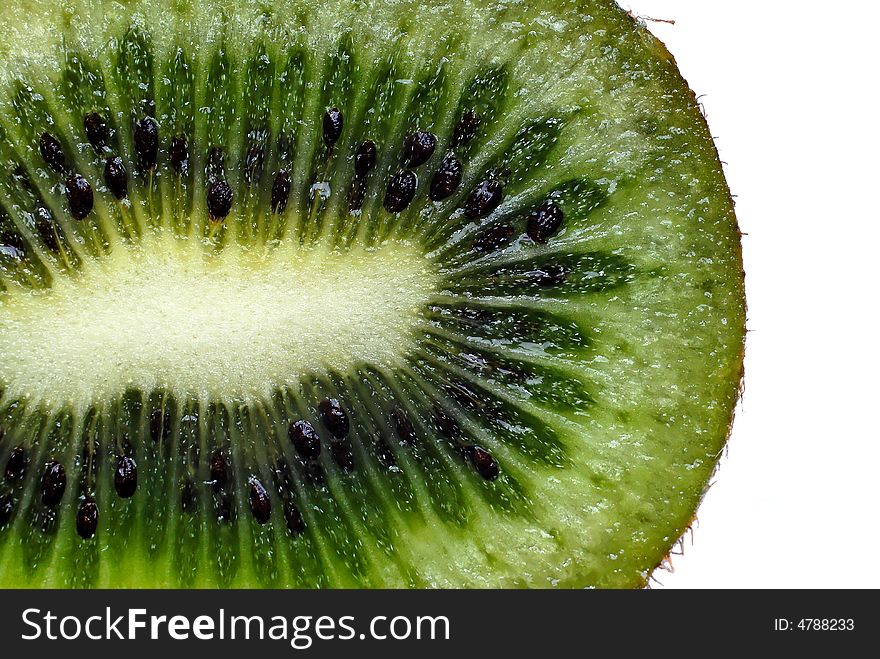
655 46
462 504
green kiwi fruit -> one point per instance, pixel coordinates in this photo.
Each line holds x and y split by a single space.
318 293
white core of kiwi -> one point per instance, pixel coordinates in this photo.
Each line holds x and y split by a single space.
232 325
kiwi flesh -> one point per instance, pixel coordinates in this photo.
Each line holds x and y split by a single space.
334 294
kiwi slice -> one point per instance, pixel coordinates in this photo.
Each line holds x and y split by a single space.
304 293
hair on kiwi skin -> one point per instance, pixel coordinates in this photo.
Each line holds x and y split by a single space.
359 298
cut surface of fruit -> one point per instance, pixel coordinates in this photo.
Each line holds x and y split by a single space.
322 294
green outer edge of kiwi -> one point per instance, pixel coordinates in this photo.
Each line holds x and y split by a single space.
659 48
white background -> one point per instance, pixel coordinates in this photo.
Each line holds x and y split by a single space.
790 89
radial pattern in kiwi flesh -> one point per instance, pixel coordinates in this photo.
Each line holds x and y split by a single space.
355 294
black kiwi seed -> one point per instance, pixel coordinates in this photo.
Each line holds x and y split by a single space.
87 518
400 191
334 417
544 222
418 147
125 479
280 191
495 237
219 200
188 496
466 129
258 498
295 522
405 431
80 196
116 177
219 471
343 455
54 483
446 179
97 131
179 154
146 142
15 464
7 507
304 439
484 463
52 152
364 158
332 126
485 198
